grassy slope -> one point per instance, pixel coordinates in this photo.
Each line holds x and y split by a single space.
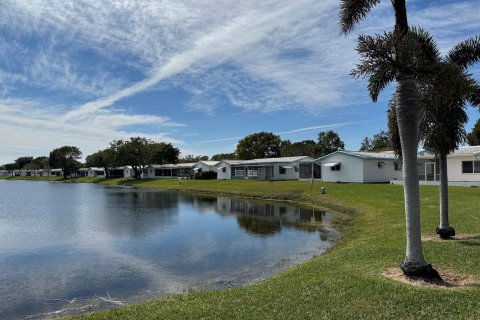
346 282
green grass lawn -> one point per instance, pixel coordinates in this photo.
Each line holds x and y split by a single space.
346 282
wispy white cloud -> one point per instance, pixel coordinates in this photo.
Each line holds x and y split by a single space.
257 56
27 126
295 131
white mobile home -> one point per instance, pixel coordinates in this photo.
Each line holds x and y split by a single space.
179 170
56 172
463 165
205 166
128 172
356 166
94 172
285 168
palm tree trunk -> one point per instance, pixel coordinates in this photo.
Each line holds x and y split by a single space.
407 117
444 230
407 111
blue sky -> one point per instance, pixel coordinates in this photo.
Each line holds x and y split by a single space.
199 74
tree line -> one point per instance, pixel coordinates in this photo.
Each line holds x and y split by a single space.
138 152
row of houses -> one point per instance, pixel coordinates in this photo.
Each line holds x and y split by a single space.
339 166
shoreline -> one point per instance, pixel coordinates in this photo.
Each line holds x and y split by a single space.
345 282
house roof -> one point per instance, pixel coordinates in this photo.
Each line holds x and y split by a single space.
266 160
385 155
210 163
460 152
172 166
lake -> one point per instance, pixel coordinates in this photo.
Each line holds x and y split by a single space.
71 248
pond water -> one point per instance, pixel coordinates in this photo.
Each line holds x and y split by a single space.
70 248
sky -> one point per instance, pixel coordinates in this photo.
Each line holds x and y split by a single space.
200 74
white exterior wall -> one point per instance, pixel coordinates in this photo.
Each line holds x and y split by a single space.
128 173
455 170
93 174
205 167
371 172
351 168
224 175
290 174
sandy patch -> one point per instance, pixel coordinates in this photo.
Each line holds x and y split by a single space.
459 237
451 280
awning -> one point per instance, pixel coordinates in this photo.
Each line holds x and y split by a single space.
286 167
331 164
220 168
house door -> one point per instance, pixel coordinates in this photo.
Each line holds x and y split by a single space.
268 173
317 171
430 171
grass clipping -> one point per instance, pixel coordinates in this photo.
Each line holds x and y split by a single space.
451 280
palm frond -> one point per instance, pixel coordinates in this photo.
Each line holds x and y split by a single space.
426 45
473 96
466 53
376 62
354 11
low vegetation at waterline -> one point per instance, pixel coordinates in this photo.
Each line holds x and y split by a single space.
347 282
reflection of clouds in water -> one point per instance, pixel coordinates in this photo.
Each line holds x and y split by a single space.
63 274
126 242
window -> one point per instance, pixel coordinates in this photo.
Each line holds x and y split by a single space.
224 169
380 165
282 170
470 166
335 167
252 172
239 172
398 166
158 172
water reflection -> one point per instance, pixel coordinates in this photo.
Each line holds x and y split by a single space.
265 218
84 241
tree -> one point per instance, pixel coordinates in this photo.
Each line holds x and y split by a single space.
302 148
103 159
190 158
164 153
258 146
224 156
137 153
379 142
22 161
33 166
11 167
65 158
329 142
444 97
382 69
41 162
474 136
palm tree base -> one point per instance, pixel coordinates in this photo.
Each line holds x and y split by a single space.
446 233
415 270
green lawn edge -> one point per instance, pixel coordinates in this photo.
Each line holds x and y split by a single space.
346 282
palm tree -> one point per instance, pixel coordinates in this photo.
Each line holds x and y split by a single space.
444 97
407 112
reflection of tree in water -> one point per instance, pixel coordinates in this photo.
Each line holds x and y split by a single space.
137 212
283 215
258 226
